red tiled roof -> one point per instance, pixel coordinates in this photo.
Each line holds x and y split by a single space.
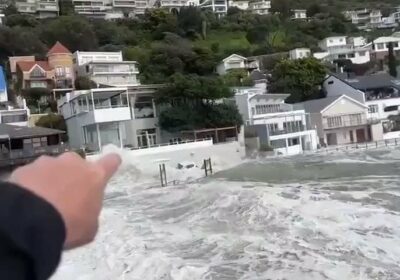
28 65
58 48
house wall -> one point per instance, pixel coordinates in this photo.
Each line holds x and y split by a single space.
382 104
64 61
343 134
25 78
332 42
316 123
80 58
75 133
344 107
243 106
115 79
335 87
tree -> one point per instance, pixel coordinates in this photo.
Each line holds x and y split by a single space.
392 63
53 121
84 82
66 7
237 78
11 9
74 32
282 7
301 78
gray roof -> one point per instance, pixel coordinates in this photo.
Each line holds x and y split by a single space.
15 132
373 81
317 105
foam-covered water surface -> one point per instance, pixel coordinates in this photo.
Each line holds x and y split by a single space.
306 217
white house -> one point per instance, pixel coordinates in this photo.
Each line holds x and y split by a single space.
299 53
380 92
260 7
340 120
241 4
125 117
380 46
106 68
235 61
365 18
40 8
276 123
341 47
299 14
15 115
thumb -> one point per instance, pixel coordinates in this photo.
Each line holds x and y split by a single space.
109 164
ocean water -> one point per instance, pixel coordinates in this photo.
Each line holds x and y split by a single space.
305 217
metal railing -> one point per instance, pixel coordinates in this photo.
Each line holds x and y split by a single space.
359 146
343 123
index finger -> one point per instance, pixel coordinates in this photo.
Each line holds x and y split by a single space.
109 164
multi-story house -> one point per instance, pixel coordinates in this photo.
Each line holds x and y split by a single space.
55 73
276 123
341 47
380 92
125 117
106 68
340 120
380 47
40 8
15 115
365 18
260 7
299 53
60 59
235 61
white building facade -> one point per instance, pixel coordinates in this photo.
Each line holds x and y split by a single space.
299 14
299 53
365 18
40 8
276 123
235 61
125 117
260 7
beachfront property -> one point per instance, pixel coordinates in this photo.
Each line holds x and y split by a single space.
236 61
125 117
341 47
299 53
106 68
39 8
55 73
11 114
340 120
380 91
21 144
275 123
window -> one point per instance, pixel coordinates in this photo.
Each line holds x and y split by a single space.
351 55
395 45
330 83
334 121
14 118
341 40
272 127
391 108
293 142
363 53
373 109
267 108
330 41
38 84
341 56
59 71
37 72
355 119
380 46
293 126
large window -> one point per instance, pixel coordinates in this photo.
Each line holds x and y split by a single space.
373 109
391 108
355 119
334 121
272 127
38 84
293 126
14 118
37 72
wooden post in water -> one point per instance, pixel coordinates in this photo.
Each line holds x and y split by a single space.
208 166
163 175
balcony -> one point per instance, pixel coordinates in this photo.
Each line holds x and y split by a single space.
47 6
341 121
124 3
